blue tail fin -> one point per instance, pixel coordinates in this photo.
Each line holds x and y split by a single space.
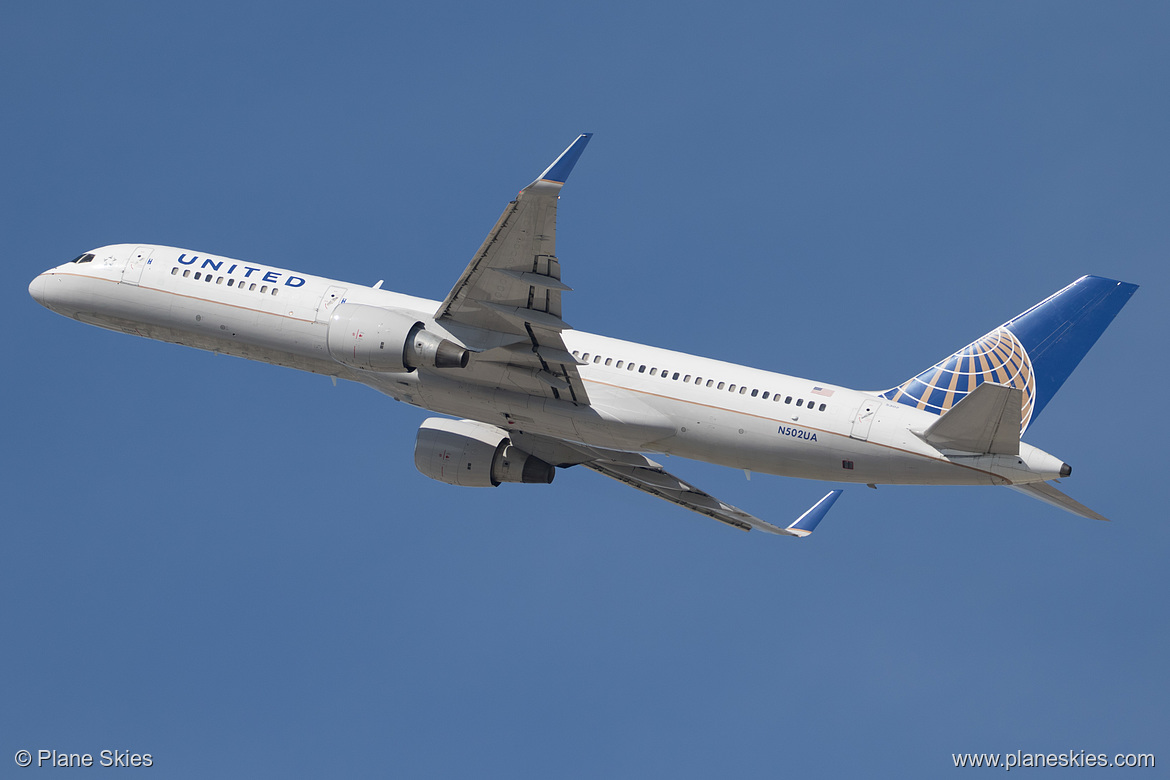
1035 351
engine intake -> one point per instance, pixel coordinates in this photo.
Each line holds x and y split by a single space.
474 454
375 339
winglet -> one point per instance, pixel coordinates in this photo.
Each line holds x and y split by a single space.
807 523
562 166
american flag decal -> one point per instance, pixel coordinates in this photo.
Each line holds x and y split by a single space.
822 391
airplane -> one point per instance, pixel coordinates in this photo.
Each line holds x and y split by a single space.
523 393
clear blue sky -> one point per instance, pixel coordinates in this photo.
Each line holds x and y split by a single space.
236 568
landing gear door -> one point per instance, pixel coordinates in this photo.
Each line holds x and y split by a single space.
863 420
137 261
329 301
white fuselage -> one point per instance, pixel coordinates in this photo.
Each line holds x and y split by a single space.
640 398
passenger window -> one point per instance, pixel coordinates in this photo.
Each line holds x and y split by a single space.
186 273
597 358
654 372
788 400
755 392
629 367
609 362
709 382
585 357
675 375
731 389
642 369
743 390
822 408
197 277
776 398
799 401
231 282
720 387
174 270
687 378
274 289
219 280
251 287
576 354
765 395
207 278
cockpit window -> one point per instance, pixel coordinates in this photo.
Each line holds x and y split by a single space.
82 258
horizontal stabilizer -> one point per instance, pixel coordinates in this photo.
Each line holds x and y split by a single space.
1050 495
986 421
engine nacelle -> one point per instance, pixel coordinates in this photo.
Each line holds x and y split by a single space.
376 339
474 454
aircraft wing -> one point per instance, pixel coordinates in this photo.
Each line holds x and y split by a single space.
640 472
653 479
507 303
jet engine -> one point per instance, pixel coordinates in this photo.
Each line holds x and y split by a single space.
376 339
474 454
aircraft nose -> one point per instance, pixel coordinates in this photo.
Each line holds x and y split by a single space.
36 289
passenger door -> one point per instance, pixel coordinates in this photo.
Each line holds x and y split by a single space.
863 420
329 301
137 261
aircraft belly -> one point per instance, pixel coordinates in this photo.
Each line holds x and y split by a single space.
609 426
825 451
504 408
164 316
620 420
80 297
285 339
746 441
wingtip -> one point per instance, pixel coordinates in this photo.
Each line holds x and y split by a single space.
562 166
807 523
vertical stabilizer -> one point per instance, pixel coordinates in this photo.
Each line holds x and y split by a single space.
1033 352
